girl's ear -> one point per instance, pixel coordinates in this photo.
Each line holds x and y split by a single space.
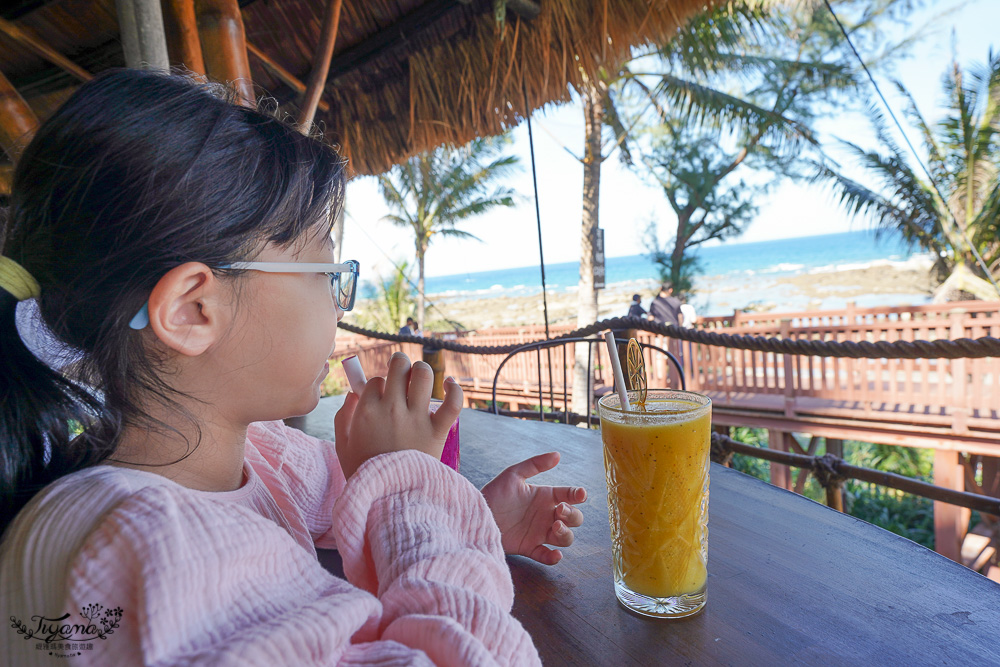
187 311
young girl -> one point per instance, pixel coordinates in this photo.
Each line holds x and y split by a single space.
155 508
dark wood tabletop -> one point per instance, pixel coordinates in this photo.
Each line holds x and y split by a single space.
790 581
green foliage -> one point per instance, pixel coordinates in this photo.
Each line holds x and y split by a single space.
385 304
907 515
737 90
963 160
433 192
333 385
904 514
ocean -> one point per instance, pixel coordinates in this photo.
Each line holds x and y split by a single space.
728 266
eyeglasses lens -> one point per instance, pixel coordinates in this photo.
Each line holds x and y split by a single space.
344 284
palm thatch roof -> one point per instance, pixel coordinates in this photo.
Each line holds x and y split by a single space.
406 75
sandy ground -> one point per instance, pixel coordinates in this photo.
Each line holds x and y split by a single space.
906 282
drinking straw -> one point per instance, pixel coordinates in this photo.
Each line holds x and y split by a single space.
355 374
609 338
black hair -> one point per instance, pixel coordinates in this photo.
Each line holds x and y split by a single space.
636 297
137 173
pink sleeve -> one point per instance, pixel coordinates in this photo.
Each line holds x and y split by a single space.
310 468
419 536
201 582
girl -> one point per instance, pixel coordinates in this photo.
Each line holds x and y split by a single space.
156 509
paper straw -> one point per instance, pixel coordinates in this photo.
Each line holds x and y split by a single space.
616 363
355 374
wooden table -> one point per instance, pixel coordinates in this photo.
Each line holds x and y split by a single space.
790 581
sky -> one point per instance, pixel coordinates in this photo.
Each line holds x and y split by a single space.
627 203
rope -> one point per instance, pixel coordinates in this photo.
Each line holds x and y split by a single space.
963 348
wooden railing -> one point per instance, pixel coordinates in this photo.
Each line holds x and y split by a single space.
961 394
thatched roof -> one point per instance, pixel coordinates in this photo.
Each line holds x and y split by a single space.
406 75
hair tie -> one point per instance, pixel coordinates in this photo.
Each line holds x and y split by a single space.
15 279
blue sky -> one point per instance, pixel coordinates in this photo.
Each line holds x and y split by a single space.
510 236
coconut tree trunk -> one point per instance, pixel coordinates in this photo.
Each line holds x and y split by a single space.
587 296
421 249
338 236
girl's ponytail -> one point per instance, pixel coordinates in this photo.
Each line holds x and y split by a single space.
39 412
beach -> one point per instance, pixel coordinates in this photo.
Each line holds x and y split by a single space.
875 283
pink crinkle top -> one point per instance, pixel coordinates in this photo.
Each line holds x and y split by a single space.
168 575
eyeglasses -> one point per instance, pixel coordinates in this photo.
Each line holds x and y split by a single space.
343 281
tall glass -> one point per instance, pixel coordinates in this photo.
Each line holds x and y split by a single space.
657 471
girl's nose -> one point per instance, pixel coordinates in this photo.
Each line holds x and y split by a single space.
339 311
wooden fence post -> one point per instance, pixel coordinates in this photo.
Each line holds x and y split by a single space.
961 398
435 358
780 474
948 529
789 370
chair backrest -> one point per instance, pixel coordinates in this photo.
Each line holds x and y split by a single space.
538 346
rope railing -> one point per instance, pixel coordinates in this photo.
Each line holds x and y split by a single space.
831 472
962 348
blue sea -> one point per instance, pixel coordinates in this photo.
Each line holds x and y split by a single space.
732 264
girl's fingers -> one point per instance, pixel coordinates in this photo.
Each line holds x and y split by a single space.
418 394
451 406
569 515
342 420
569 494
397 378
535 465
544 555
559 535
374 389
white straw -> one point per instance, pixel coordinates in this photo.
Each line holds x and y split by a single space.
616 363
355 374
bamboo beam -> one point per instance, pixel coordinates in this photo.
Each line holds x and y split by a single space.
141 27
33 42
282 74
181 28
17 121
321 63
390 39
223 45
526 9
6 179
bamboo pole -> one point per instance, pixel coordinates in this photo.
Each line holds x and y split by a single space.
282 74
223 45
34 43
321 63
181 28
141 26
17 121
6 179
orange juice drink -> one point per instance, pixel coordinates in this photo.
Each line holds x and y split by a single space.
657 465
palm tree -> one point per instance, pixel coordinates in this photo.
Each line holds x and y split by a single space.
387 302
962 213
434 191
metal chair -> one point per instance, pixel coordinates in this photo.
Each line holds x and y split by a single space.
544 344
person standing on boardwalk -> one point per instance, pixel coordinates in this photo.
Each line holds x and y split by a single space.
666 308
636 309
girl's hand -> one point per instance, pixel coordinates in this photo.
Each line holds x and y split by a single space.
531 516
391 415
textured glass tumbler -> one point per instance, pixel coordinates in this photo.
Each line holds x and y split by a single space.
657 464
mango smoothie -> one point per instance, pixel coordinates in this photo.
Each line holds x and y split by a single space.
657 472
